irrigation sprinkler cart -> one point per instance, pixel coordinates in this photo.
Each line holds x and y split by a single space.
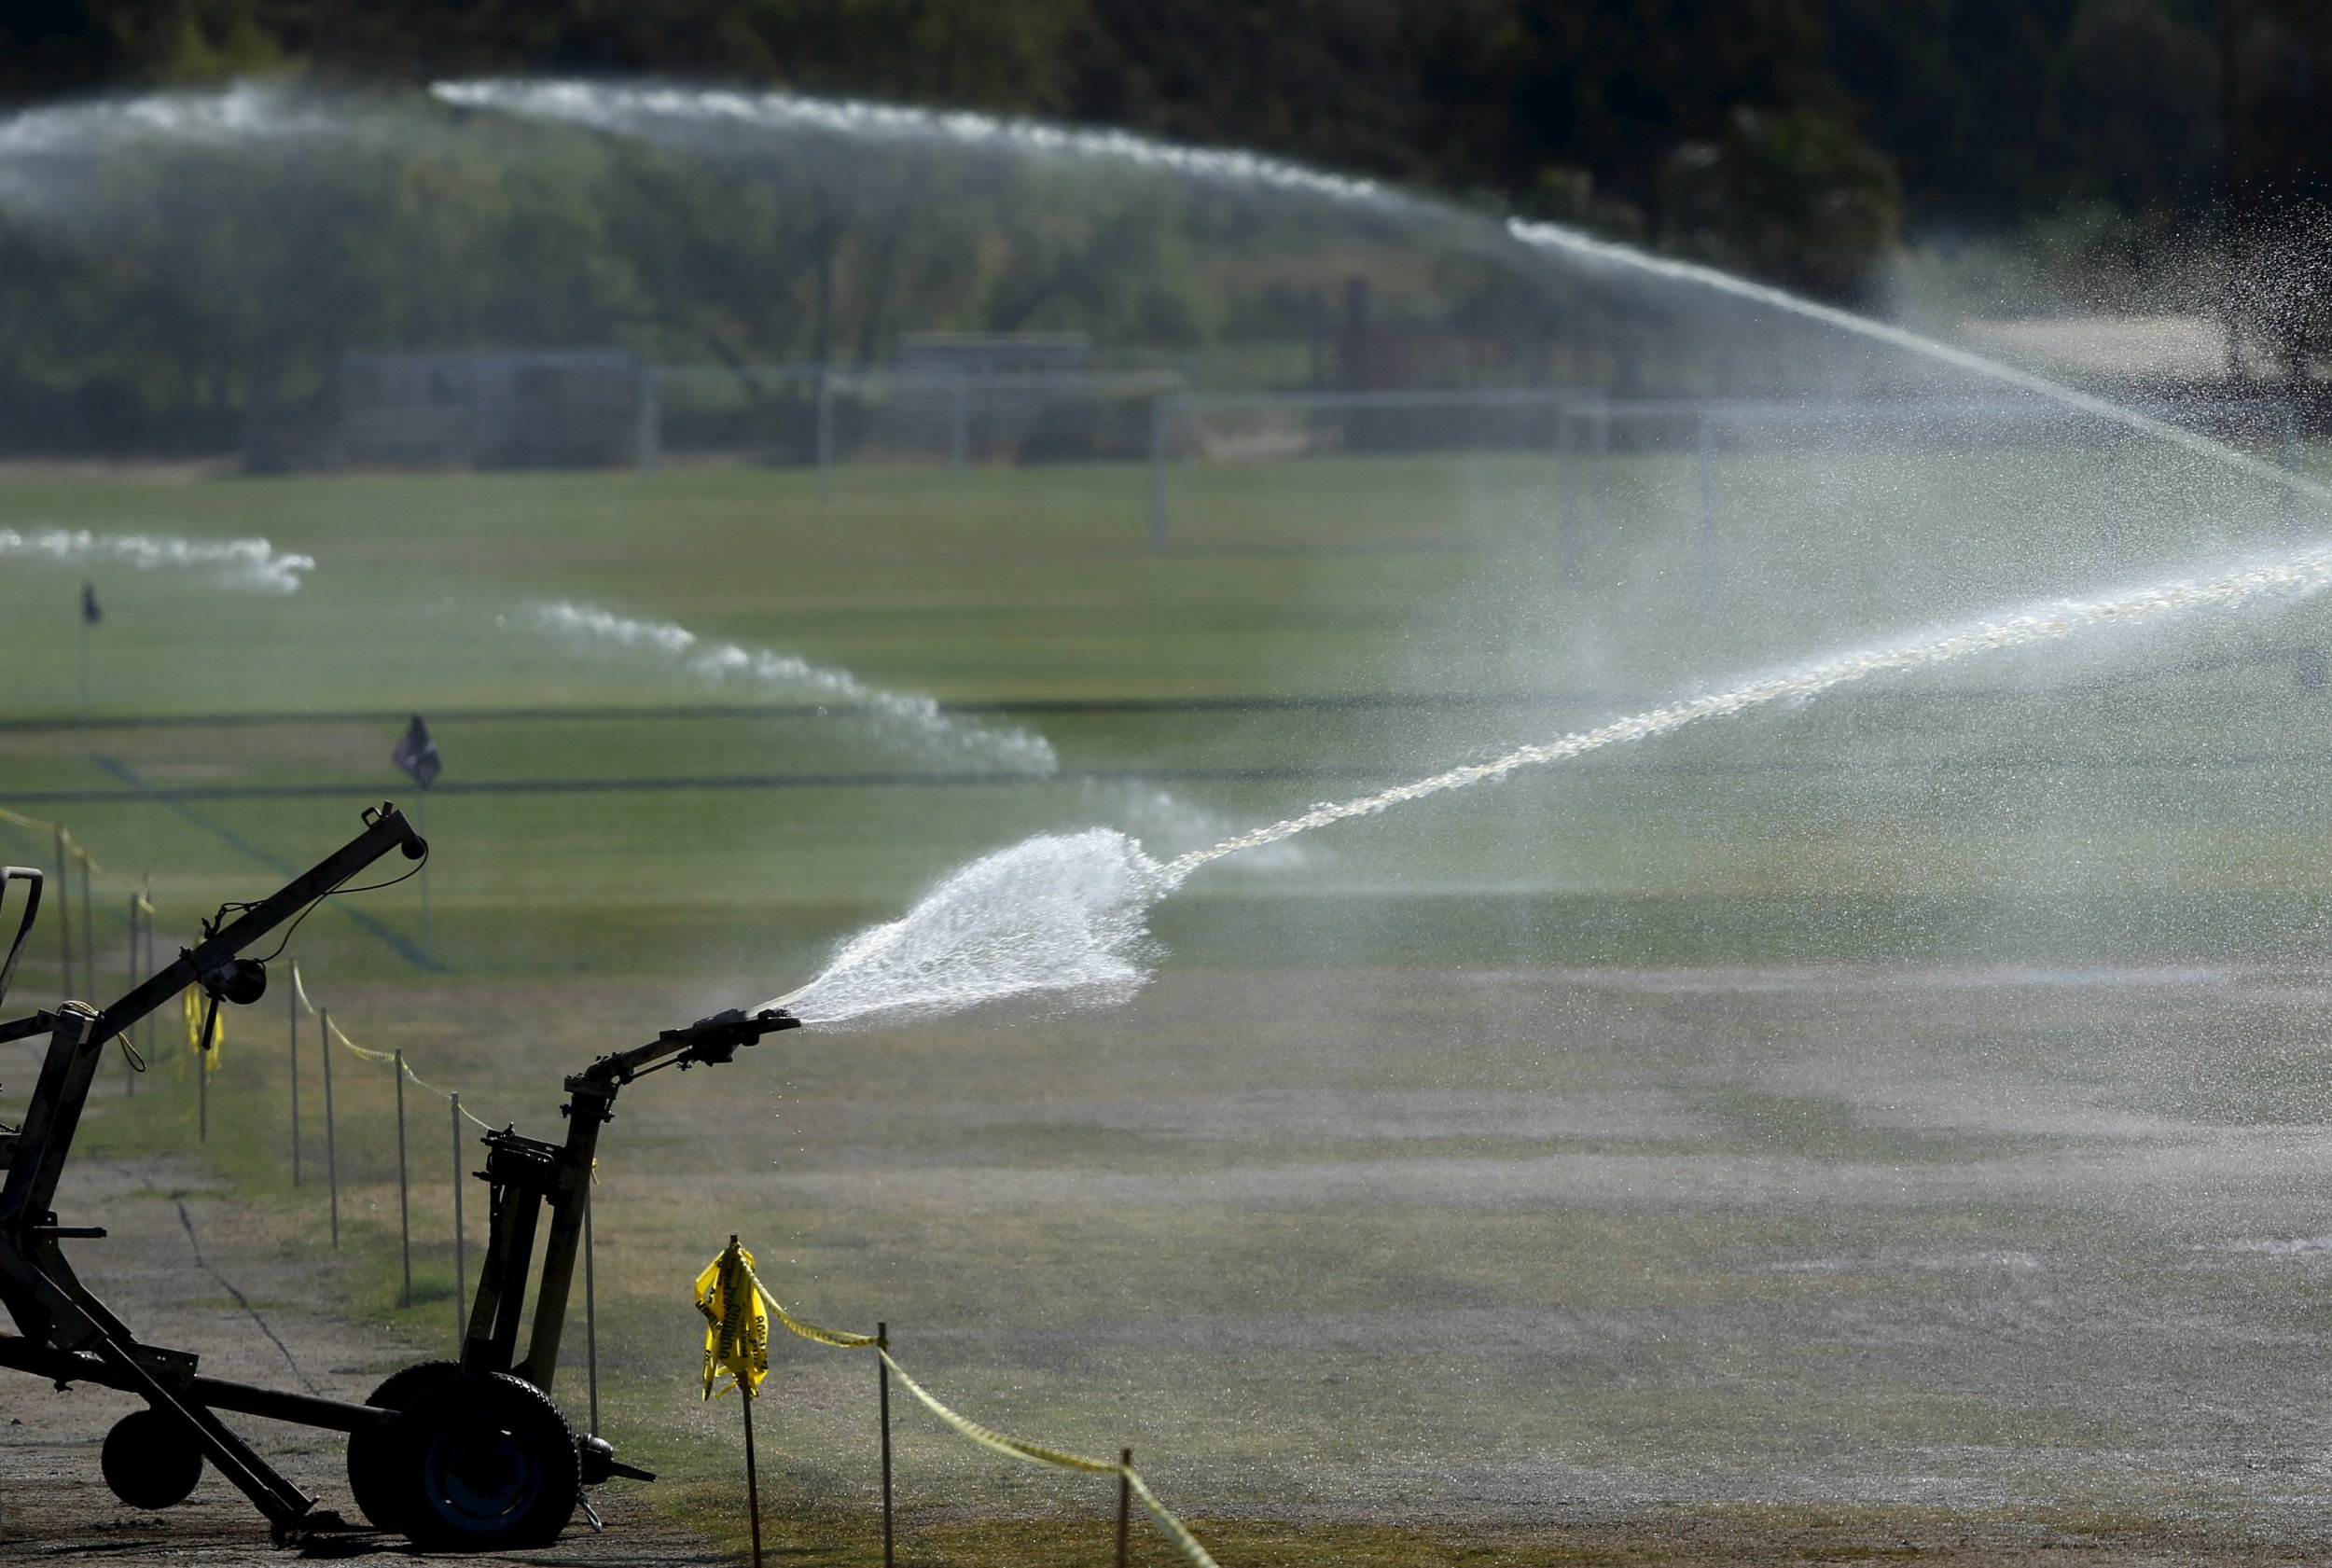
456 1454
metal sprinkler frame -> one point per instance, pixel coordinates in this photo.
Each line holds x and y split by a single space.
458 1454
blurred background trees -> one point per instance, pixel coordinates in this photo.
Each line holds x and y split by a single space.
2110 154
1795 136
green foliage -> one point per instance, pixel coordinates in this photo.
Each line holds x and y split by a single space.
1794 197
179 288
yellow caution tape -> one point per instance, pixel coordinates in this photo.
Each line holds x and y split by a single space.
300 989
834 1336
737 1330
64 836
987 1437
194 1006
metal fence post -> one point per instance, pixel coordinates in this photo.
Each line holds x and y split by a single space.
2288 458
590 1308
825 437
882 1397
145 896
648 436
1601 435
2111 531
331 1136
64 919
128 1070
1566 492
1162 414
404 1189
89 928
1125 1502
1706 461
461 1258
291 1010
959 421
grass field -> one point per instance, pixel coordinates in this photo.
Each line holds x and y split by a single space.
1794 1113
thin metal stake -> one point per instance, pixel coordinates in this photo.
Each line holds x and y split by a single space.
404 1189
129 1072
1707 464
825 439
1125 1503
331 1140
650 422
1566 496
421 825
202 1076
882 1373
146 967
590 1310
89 927
1602 433
64 917
291 999
89 595
460 1257
1161 415
753 1479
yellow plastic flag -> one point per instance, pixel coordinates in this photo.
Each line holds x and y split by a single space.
194 1005
737 1326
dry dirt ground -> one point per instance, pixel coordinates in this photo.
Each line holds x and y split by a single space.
187 1269
1771 1267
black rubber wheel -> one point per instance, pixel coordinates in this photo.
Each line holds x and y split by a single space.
150 1459
495 1464
380 1468
400 1388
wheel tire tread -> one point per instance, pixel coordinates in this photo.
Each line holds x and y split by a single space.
526 1405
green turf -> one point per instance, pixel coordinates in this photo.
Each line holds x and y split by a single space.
2129 802
2047 785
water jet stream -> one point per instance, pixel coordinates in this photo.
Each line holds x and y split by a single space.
2284 577
1061 917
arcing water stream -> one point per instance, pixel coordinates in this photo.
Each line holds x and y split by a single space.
1061 918
918 721
640 111
251 564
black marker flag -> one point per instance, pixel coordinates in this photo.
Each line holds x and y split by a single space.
417 754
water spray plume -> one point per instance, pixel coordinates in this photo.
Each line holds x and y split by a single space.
1058 915
1062 917
252 564
916 719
